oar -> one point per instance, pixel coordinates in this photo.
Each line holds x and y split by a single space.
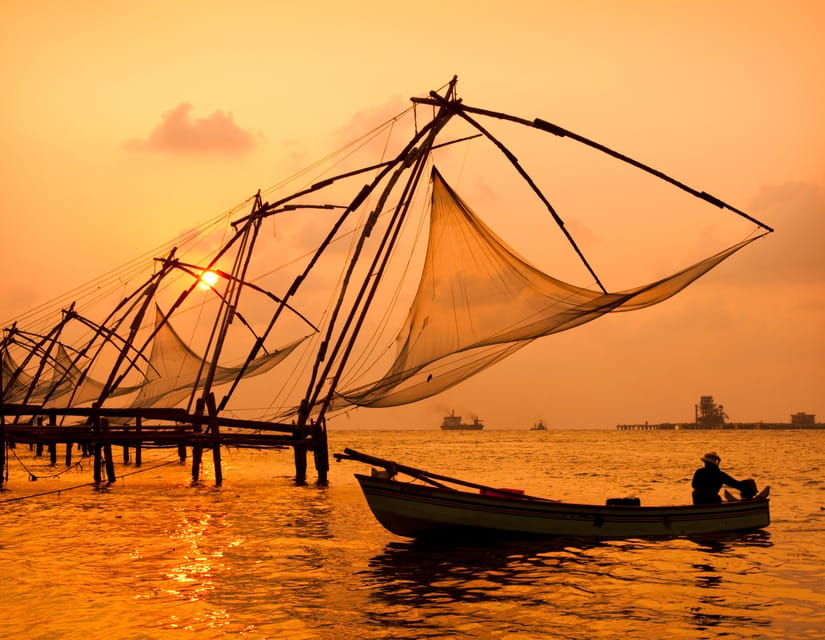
427 476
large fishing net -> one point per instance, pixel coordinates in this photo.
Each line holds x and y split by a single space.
479 301
174 368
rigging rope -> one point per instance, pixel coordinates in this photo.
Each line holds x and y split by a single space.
89 484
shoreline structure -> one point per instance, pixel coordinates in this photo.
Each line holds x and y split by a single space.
709 415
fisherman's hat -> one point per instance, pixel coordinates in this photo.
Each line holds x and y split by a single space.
712 457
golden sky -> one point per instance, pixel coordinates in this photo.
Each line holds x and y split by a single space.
123 124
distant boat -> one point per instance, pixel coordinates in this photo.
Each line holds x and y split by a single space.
453 422
539 426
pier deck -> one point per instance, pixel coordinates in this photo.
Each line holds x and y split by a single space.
96 430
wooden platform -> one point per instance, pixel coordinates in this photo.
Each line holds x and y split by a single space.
97 430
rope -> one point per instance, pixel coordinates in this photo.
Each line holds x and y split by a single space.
34 477
88 484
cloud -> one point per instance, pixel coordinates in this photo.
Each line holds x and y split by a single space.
179 132
369 119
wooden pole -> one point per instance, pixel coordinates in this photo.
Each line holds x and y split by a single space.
2 431
426 476
214 429
138 446
300 454
2 448
52 445
97 466
197 453
96 449
320 450
197 450
107 449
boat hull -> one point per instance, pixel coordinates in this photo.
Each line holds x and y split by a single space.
463 427
416 511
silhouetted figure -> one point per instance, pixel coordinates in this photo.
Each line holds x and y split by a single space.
708 481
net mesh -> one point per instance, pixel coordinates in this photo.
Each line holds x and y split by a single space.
174 368
479 301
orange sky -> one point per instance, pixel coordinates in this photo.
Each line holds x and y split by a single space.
124 124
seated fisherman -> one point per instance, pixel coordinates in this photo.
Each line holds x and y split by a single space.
708 480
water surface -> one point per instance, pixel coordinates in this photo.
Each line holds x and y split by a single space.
153 557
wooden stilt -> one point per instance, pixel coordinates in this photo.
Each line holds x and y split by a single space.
300 454
214 429
197 450
110 463
2 451
2 437
96 450
216 461
97 463
107 450
138 448
320 451
197 453
52 445
68 459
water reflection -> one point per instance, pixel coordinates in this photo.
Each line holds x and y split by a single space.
566 585
731 541
727 579
430 574
236 562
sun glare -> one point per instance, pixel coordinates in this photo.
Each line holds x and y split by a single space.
208 280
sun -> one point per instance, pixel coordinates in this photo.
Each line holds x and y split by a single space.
207 280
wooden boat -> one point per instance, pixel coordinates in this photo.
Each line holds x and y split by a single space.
436 508
539 426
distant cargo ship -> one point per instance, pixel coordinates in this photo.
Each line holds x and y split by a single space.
539 426
453 422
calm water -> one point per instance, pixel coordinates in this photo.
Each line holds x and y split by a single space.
261 558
